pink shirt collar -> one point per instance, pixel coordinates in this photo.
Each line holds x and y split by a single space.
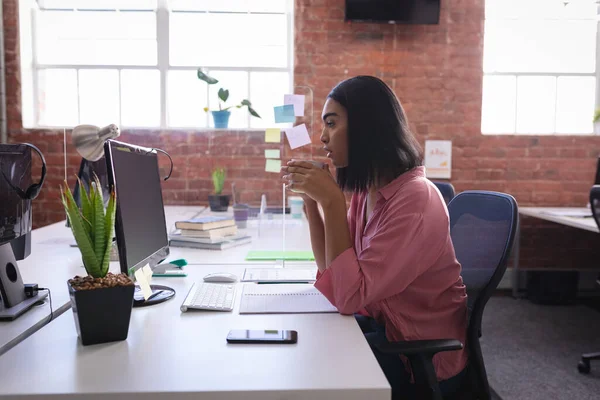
391 188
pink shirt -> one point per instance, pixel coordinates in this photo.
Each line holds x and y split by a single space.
402 269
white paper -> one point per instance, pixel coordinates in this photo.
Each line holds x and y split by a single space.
283 299
279 275
142 280
297 100
438 158
297 136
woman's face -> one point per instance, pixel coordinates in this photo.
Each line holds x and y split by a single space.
335 133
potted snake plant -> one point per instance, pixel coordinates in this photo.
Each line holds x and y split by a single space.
101 301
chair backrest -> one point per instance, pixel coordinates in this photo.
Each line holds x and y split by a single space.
595 203
483 227
446 189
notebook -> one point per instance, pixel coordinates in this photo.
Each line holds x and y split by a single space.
292 298
212 246
279 275
259 255
205 223
213 234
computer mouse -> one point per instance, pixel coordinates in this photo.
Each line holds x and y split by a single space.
220 277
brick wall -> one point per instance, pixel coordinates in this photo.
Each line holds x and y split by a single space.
436 70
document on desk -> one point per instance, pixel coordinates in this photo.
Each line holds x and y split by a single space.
570 213
279 275
283 299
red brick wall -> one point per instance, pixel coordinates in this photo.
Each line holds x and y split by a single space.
436 70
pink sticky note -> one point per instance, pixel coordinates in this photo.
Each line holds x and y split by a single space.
297 136
297 100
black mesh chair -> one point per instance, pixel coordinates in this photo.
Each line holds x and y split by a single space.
446 189
584 365
483 226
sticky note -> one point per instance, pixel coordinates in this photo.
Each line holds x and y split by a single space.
297 100
272 165
272 153
273 135
284 114
297 136
142 280
148 272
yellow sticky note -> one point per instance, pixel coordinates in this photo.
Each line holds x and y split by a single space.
140 278
272 153
273 165
148 272
273 135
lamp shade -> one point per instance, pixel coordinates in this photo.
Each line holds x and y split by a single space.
89 140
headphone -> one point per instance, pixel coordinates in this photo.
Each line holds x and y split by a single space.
33 190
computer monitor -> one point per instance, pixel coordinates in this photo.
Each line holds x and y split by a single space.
15 212
140 226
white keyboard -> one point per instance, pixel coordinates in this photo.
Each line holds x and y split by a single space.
210 296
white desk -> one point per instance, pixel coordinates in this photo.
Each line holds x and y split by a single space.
51 264
174 355
549 214
546 213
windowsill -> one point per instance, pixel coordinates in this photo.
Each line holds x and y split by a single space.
587 135
156 129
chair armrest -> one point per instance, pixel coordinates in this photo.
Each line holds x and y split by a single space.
420 346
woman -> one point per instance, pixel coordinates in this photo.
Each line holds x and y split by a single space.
390 258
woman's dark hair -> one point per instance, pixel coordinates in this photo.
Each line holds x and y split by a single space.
380 143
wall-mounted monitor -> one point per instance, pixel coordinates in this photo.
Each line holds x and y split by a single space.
393 11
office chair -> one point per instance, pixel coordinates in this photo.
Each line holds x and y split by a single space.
483 227
446 189
584 365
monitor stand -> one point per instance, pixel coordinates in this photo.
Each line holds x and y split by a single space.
159 294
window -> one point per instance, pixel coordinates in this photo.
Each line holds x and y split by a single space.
539 64
134 62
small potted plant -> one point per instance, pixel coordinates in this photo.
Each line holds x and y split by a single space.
597 121
221 116
218 201
101 301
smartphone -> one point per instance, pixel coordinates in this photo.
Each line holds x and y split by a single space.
262 336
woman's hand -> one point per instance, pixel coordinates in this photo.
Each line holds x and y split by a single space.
313 182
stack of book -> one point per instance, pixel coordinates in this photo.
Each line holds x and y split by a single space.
208 232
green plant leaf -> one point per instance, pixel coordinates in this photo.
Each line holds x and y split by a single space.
223 94
202 76
253 112
86 207
109 225
596 116
84 243
246 102
98 228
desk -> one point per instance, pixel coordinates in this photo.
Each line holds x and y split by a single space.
51 264
174 355
546 213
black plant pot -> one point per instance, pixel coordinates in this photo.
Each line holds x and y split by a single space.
219 202
102 315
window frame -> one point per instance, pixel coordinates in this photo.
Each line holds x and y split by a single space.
555 75
163 66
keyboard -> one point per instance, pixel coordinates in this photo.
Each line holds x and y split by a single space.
210 296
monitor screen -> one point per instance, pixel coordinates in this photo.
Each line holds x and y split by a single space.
394 11
140 225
